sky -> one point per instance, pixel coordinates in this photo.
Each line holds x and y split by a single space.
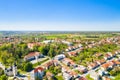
60 15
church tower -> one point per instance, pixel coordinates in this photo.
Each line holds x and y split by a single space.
14 69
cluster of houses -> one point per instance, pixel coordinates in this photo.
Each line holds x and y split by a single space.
105 64
58 41
68 66
39 72
103 41
31 45
103 70
71 48
67 72
65 64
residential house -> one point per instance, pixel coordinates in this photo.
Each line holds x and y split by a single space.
69 62
73 53
66 42
94 75
38 73
105 78
108 56
59 57
70 48
80 45
68 74
31 45
74 74
49 75
93 65
48 64
32 56
102 72
81 68
98 55
48 41
56 63
107 66
116 62
81 78
102 61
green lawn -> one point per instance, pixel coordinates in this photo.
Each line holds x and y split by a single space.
59 78
117 77
39 63
89 78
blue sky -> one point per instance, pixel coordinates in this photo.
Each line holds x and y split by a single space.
59 15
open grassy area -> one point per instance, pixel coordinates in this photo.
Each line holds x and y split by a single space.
59 78
117 77
89 78
39 63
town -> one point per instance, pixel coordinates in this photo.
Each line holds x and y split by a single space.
60 56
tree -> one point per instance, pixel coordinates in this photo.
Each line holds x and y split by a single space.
3 77
51 52
28 67
1 71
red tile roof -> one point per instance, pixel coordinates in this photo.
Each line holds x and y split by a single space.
82 78
49 74
98 54
106 65
32 54
38 69
93 64
102 61
73 53
48 64
69 60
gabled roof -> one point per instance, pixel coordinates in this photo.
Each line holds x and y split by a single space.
98 54
72 53
38 69
82 78
49 74
93 64
69 60
102 61
108 64
48 64
32 54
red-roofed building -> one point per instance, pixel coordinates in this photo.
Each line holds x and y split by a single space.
81 78
105 78
108 56
108 65
38 73
93 65
48 64
102 61
31 45
73 53
68 62
32 56
82 69
49 75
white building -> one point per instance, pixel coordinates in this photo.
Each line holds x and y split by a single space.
11 71
32 56
59 57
